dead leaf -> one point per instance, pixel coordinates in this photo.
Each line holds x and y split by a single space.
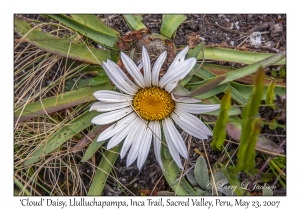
89 137
207 86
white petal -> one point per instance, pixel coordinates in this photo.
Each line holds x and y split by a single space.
146 67
171 86
156 135
117 138
133 153
179 58
185 99
157 66
178 72
111 96
131 137
117 127
191 124
172 148
176 138
133 70
105 107
112 116
197 108
140 65
118 80
144 148
120 71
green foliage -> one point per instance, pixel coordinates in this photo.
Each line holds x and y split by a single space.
192 54
170 23
274 73
282 72
61 136
270 94
246 90
207 86
85 28
134 22
173 175
99 80
231 76
93 22
219 132
235 56
233 180
60 46
273 124
250 126
104 168
93 147
21 187
59 102
201 172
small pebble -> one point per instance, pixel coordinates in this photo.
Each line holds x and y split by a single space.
255 39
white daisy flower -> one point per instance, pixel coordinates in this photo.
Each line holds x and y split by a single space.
147 107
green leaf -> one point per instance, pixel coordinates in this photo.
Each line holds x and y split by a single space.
75 84
231 76
234 127
224 69
282 72
170 23
207 86
245 71
93 22
274 73
204 73
273 124
219 132
193 53
237 96
134 22
99 80
233 180
61 101
249 160
61 136
85 29
246 90
201 172
104 168
22 188
56 45
190 175
94 146
267 192
250 126
235 56
213 92
172 174
270 94
189 76
200 192
230 112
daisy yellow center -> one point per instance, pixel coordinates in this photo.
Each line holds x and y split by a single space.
153 103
